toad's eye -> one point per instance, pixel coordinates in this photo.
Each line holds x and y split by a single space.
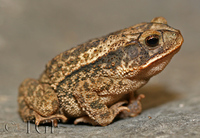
152 40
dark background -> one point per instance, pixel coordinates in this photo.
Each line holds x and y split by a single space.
32 32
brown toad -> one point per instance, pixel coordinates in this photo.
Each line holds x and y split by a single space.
92 81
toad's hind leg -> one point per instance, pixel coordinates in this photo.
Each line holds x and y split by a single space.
38 101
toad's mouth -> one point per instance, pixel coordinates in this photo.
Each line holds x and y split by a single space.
167 54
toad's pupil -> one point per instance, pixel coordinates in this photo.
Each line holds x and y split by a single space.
152 40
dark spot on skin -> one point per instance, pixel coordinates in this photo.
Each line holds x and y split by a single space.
132 51
120 84
106 38
69 82
67 103
48 90
114 56
60 89
22 105
90 95
72 107
107 87
33 82
88 45
95 50
86 56
54 103
105 115
53 61
72 88
70 95
42 103
111 81
144 56
65 55
86 86
87 76
92 80
75 53
73 61
82 100
159 50
83 78
80 89
93 74
77 79
76 84
46 97
90 112
59 66
30 112
25 110
96 105
126 60
102 88
49 67
30 93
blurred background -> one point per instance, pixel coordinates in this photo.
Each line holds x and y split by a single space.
33 32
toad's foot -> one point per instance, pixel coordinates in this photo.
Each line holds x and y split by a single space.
53 118
85 119
134 106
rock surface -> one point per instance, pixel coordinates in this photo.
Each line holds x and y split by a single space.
33 32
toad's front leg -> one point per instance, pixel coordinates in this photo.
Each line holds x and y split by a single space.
99 113
91 95
38 101
134 105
